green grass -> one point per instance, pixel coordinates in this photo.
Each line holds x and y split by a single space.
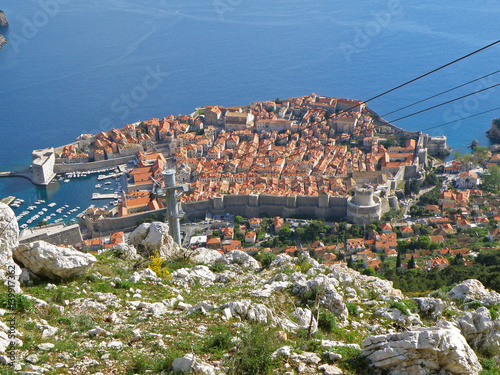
400 306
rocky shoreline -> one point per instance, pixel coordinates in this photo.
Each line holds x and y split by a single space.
494 131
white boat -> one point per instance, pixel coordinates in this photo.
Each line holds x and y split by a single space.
40 213
44 209
66 180
98 186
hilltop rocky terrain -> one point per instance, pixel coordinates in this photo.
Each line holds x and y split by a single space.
128 311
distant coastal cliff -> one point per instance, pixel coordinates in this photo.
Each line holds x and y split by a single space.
3 23
494 132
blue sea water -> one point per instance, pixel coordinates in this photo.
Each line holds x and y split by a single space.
73 67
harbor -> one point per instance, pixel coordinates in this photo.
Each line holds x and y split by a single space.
75 193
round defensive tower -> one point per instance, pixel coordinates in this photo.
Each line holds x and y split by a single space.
365 207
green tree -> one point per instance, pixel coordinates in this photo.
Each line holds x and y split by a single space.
368 271
350 262
238 219
398 261
424 242
480 154
411 263
491 178
285 232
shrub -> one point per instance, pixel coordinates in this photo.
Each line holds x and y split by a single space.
157 265
219 340
267 259
15 302
123 284
411 305
253 355
327 322
218 267
400 306
494 311
474 305
352 308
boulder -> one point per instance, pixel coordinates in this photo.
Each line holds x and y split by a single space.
9 238
473 290
204 255
197 274
479 329
422 351
431 306
260 314
326 287
125 251
155 236
303 318
239 257
53 262
185 364
397 315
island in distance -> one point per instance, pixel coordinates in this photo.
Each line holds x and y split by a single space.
3 23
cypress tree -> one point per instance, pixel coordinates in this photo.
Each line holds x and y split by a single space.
411 263
398 261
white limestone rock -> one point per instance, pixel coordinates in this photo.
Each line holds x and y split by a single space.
126 252
9 238
188 363
284 352
148 273
115 345
303 317
329 297
203 306
422 351
198 274
155 236
367 284
431 306
157 309
395 314
204 255
46 346
473 290
260 314
240 258
53 262
201 274
282 260
479 329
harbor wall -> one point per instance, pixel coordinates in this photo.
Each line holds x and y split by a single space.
68 235
109 225
90 166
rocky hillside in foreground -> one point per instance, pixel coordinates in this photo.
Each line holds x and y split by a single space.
210 314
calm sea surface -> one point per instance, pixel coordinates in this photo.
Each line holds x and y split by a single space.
73 67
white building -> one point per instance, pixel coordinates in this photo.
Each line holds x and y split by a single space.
468 180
